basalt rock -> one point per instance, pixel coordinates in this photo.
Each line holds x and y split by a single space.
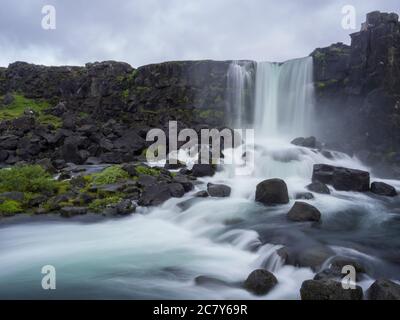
383 189
384 289
342 179
260 282
328 290
318 187
302 211
218 190
272 192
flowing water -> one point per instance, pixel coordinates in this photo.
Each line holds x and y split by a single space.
158 252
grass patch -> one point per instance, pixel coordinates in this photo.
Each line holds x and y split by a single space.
98 205
29 178
49 119
10 207
110 175
19 105
147 170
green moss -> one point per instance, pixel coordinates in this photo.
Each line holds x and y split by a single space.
110 175
98 205
19 105
10 207
147 170
125 94
319 56
29 178
49 119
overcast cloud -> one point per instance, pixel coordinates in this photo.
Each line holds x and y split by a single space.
148 31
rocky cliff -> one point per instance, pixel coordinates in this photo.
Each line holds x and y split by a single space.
358 91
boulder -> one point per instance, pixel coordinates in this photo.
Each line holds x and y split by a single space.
383 189
203 170
201 194
318 187
125 207
384 289
184 181
304 196
260 282
272 192
8 99
218 190
310 142
328 290
302 211
310 257
157 194
342 179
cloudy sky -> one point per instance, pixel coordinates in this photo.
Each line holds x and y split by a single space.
147 31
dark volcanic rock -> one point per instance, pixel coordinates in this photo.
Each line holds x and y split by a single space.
272 191
304 196
342 179
384 289
260 282
328 290
218 190
318 187
203 170
302 211
157 194
72 211
310 142
383 189
313 257
201 194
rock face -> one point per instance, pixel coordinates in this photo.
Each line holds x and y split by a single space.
272 192
302 211
342 179
384 290
383 189
358 90
260 282
328 290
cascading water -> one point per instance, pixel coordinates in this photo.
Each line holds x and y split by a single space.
284 98
158 252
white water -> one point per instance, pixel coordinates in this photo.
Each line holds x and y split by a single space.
158 252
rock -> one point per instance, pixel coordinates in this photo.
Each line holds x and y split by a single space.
184 181
176 190
154 195
302 211
342 179
130 168
184 205
8 99
383 189
337 263
72 211
46 164
318 187
218 190
310 142
328 290
203 170
125 207
272 192
201 194
384 289
146 180
3 155
92 161
13 195
310 257
260 282
304 196
174 166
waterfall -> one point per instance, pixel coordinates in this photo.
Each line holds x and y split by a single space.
284 98
240 87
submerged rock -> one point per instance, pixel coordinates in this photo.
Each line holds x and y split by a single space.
318 187
304 196
309 142
328 290
218 190
384 289
272 192
342 179
302 211
201 194
260 282
383 189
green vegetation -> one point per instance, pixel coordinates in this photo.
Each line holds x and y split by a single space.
319 55
10 207
29 178
147 170
98 205
110 175
19 105
49 119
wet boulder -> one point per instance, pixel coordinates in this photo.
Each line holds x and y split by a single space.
68 212
218 190
384 289
342 179
304 196
203 170
201 194
383 189
272 192
302 211
309 142
260 282
318 187
157 194
328 290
